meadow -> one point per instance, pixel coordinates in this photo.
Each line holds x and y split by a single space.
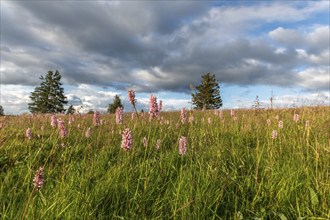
246 164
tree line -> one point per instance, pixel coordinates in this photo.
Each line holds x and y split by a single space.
49 96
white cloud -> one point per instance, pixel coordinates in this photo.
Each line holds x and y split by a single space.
169 104
15 98
313 78
306 99
283 101
316 38
286 36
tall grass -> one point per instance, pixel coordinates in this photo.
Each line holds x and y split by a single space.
233 168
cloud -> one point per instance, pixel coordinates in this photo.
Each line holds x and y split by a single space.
311 99
314 79
315 41
284 100
164 46
15 99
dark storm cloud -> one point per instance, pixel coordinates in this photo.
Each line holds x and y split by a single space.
152 46
238 62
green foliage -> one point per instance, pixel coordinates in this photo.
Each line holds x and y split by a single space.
233 168
1 111
116 103
71 110
49 96
208 93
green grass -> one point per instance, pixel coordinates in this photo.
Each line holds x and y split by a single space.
232 169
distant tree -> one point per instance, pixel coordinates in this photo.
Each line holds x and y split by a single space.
116 103
257 104
207 95
71 110
90 112
1 111
49 96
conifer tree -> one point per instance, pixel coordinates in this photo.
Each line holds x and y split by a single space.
49 96
71 110
207 95
1 111
116 103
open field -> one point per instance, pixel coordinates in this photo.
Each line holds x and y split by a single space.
235 167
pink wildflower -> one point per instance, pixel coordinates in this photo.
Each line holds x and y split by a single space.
96 118
182 145
295 117
183 116
53 121
38 179
153 110
232 112
119 115
280 124
131 97
88 133
62 128
274 134
145 141
28 133
127 139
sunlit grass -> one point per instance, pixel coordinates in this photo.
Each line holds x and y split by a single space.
233 168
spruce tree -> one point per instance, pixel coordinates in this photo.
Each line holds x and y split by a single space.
207 95
116 103
71 110
1 111
49 96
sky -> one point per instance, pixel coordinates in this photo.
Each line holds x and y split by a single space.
278 49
